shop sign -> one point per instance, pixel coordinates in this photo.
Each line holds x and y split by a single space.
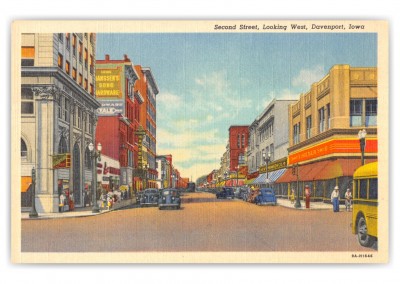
111 107
108 83
140 134
62 161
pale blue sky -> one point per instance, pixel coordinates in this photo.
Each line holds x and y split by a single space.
208 82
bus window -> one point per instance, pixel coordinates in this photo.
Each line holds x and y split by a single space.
363 188
356 183
373 188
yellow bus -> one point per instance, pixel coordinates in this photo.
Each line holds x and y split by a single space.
365 204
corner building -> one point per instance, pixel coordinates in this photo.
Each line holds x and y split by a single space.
323 131
58 116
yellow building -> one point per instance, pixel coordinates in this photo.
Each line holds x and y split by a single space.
324 146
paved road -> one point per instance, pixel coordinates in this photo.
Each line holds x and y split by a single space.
203 224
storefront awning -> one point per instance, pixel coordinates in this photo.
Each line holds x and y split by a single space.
249 181
323 170
261 179
274 175
25 183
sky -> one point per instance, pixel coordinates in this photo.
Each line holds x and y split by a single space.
210 81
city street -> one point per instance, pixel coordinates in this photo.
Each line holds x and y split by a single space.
202 224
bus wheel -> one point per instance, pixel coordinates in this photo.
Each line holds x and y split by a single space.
363 238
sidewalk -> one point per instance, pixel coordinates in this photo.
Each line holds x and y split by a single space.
319 205
80 212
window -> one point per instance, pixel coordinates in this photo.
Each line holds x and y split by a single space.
243 141
363 188
80 51
60 61
355 112
67 40
88 159
74 45
308 131
296 133
62 146
86 58
321 114
86 84
373 188
74 73
238 141
91 89
27 101
328 114
24 150
371 112
27 56
66 109
80 79
67 67
91 64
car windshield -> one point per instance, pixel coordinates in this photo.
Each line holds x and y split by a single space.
170 192
151 191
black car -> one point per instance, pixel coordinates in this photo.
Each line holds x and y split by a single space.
169 198
225 193
149 197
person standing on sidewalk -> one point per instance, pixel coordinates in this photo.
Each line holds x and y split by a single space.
308 196
348 198
335 199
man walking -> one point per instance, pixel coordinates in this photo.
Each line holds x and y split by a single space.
335 199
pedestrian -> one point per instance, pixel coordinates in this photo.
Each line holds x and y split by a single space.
292 196
348 198
335 198
308 196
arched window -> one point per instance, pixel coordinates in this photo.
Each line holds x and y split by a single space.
24 150
62 147
88 159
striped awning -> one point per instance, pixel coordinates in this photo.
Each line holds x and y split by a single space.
272 177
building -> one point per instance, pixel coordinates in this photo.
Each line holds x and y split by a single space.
268 143
147 87
58 116
118 116
238 141
324 147
163 171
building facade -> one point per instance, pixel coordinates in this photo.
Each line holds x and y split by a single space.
324 147
147 87
58 116
268 143
118 116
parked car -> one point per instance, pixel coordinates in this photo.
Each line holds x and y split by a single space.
149 197
226 192
242 192
169 198
265 196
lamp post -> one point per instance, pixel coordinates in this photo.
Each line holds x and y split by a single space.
237 176
295 171
96 155
173 180
145 172
33 213
267 159
361 136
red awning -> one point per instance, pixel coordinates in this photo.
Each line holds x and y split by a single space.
322 170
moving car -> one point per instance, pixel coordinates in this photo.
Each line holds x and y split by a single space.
169 198
225 193
149 197
265 196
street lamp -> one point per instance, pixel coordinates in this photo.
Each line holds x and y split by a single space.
33 213
145 173
173 180
95 154
267 159
361 136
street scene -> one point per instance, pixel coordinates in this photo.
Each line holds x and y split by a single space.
204 223
200 141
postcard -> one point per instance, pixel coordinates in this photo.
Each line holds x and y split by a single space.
226 141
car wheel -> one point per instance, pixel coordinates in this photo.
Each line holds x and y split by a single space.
362 232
